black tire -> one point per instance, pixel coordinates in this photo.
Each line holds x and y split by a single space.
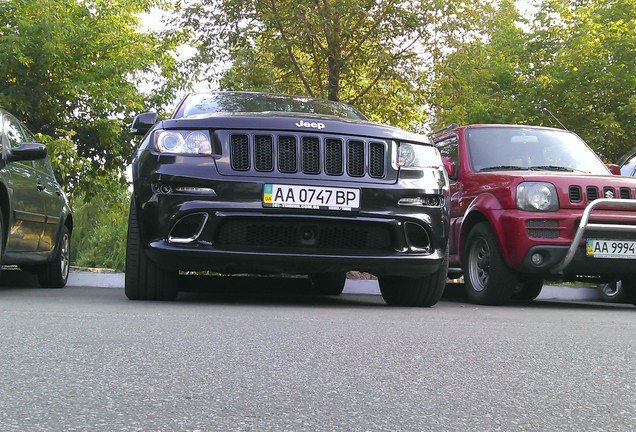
629 288
415 292
143 279
328 283
530 287
1 240
612 292
487 278
54 274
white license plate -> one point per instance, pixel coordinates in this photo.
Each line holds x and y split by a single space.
625 249
310 197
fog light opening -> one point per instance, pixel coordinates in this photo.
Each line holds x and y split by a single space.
416 237
537 259
188 228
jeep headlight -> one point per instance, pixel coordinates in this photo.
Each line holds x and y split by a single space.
418 156
183 142
537 197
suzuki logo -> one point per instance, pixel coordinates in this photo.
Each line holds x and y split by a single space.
609 194
314 125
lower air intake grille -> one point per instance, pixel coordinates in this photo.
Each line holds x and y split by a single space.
304 235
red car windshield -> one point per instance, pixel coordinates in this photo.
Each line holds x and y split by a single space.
525 148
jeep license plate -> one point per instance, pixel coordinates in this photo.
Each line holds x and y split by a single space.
310 197
625 249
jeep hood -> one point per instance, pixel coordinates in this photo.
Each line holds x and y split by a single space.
294 123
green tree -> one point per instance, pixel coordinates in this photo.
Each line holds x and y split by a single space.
71 70
485 79
573 65
585 68
374 54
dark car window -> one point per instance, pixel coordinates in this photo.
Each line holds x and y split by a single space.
448 147
12 129
14 135
244 102
629 167
2 138
42 165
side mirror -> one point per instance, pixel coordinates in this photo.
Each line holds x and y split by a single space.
26 151
143 122
449 166
614 169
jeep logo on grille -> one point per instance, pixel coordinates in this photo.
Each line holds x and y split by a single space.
609 194
313 125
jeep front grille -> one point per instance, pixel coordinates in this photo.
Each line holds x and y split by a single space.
308 154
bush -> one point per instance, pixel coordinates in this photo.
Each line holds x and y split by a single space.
100 227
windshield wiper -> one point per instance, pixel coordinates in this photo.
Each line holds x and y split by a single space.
504 168
554 168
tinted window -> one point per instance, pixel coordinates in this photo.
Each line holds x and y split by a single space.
448 148
1 133
243 102
629 167
13 131
502 148
15 136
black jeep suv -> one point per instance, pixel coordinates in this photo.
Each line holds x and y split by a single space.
240 182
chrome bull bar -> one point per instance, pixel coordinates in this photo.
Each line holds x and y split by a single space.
585 225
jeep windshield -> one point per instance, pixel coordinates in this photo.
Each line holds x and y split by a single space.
530 148
246 102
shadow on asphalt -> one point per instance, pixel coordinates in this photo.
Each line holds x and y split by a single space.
454 293
296 291
260 290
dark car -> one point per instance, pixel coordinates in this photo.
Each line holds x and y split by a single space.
239 182
35 217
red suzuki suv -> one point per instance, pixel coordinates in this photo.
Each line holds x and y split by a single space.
530 204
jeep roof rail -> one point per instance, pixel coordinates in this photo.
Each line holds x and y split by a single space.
444 129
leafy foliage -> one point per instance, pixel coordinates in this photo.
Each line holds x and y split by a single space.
71 70
99 236
585 67
373 54
484 80
572 66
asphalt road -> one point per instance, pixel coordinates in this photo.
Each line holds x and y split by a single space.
266 358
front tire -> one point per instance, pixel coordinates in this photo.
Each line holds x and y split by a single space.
1 239
629 288
144 280
612 292
415 292
487 278
55 273
330 284
531 287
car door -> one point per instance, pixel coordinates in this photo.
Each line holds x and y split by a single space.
51 194
27 206
448 147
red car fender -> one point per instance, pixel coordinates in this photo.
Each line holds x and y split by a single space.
485 207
